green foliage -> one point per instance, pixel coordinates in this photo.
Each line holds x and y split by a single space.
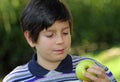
14 49
95 21
10 12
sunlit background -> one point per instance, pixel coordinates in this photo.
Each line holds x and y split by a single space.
96 33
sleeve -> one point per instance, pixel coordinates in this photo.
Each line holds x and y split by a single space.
108 72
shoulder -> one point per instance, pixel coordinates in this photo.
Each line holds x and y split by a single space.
77 59
17 73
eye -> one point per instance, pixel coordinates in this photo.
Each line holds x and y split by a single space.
49 35
65 33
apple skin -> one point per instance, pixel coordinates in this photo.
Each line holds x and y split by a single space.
82 67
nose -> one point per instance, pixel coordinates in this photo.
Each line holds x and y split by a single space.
59 39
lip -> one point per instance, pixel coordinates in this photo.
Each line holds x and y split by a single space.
59 50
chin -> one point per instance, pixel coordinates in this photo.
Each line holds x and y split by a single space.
62 57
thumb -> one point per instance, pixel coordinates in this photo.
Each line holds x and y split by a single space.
85 81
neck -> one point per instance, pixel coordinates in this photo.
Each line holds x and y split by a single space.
49 65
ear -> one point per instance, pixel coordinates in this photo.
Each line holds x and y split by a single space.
28 38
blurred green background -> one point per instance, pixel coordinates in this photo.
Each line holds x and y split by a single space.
96 33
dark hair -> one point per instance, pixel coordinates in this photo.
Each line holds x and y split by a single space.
41 14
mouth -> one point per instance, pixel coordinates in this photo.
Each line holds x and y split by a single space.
59 51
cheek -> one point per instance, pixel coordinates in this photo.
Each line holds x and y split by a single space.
68 41
47 43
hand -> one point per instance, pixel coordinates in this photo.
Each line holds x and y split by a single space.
99 72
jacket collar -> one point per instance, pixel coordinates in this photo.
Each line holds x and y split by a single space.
37 70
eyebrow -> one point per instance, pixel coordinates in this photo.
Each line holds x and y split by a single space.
66 28
49 30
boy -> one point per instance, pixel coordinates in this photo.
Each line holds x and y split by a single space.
47 27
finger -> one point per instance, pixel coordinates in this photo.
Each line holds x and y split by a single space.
90 76
98 68
97 71
95 78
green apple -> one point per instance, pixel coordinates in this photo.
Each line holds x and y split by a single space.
82 67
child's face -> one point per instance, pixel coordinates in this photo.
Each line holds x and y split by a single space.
54 43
